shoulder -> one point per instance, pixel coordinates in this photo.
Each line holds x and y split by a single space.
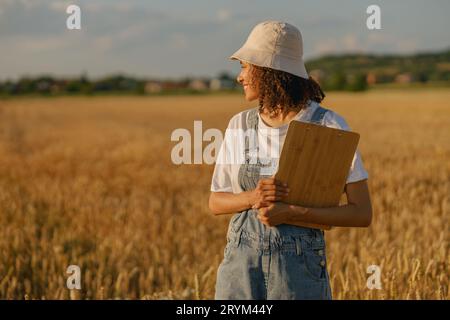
335 120
239 120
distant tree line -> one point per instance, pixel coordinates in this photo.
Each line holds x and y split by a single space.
47 85
348 72
115 84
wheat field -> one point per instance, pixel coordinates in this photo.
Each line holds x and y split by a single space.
89 181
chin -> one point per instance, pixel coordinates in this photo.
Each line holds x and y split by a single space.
250 98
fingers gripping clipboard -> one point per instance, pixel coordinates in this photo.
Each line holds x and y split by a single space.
315 162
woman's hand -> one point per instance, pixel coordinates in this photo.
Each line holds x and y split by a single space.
275 214
268 191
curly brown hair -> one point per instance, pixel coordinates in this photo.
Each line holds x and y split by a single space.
280 91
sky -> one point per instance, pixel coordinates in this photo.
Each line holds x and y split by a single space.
178 38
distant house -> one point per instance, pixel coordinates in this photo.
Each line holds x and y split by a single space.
43 85
153 87
371 78
198 84
404 78
221 84
55 88
172 85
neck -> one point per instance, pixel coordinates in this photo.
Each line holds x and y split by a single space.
280 117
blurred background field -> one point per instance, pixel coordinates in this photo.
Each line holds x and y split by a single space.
89 181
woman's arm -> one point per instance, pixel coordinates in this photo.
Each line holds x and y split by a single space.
267 191
228 202
357 213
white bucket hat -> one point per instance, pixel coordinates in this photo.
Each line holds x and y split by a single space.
276 45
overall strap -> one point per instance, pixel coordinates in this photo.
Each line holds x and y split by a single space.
318 115
252 125
252 120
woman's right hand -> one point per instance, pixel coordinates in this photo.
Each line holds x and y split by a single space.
267 191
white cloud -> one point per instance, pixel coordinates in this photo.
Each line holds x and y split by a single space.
373 42
178 41
133 31
26 4
325 46
223 15
103 43
350 43
59 6
108 42
123 7
407 45
30 4
94 7
36 44
376 41
4 4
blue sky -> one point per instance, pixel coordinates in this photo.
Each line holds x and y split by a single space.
175 38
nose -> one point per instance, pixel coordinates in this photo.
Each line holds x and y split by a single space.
239 79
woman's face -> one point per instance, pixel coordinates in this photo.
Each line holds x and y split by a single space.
245 79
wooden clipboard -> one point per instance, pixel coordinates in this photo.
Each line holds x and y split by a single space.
315 162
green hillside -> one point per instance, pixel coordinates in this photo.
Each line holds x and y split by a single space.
345 71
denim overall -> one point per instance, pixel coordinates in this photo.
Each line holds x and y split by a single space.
280 262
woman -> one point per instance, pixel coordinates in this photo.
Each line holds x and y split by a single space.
269 255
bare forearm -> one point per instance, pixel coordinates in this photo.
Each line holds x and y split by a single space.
349 215
227 202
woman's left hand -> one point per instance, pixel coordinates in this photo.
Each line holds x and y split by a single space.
275 214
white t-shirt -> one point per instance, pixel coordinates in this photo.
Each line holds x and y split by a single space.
270 142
